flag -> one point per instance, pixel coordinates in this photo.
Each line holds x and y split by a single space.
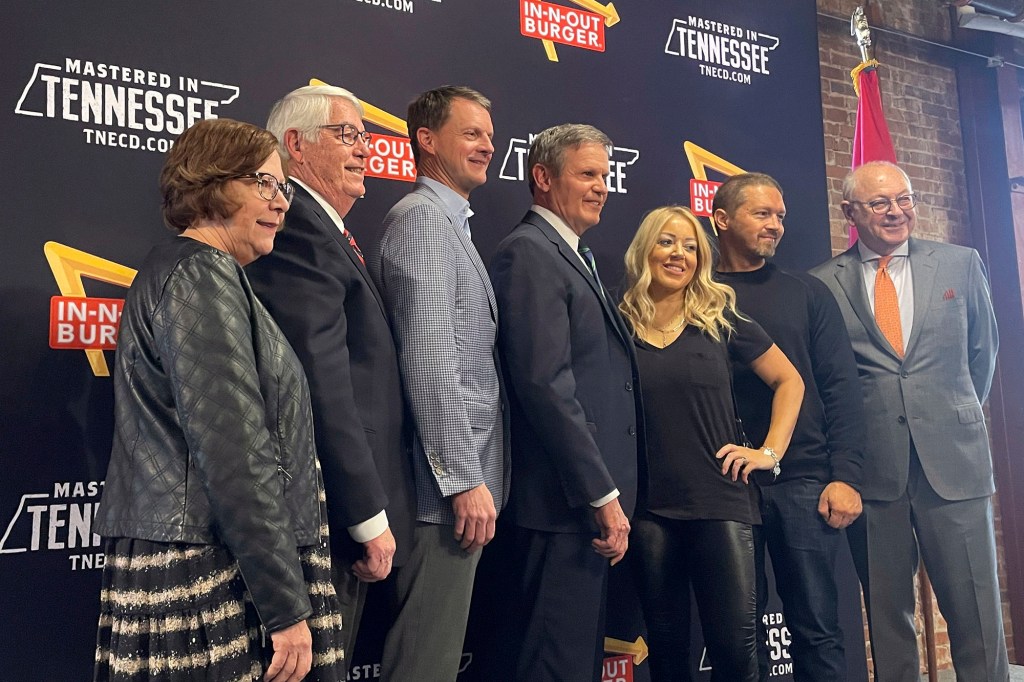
871 140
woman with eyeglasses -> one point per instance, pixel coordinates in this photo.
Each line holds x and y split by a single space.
217 563
694 522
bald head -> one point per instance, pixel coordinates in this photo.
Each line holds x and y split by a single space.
871 197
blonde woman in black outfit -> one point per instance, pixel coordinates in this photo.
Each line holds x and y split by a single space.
694 523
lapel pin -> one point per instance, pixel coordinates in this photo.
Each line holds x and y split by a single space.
949 295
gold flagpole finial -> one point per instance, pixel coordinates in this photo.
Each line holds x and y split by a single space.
860 30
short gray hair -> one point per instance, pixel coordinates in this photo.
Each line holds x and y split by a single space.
548 148
306 109
850 181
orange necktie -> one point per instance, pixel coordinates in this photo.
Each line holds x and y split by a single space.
887 307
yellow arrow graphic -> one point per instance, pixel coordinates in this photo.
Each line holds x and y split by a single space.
637 649
549 50
701 159
610 14
376 115
69 266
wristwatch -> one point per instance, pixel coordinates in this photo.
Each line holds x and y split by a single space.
777 469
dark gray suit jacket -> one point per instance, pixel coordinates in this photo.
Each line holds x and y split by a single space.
934 394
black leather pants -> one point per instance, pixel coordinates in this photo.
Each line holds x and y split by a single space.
717 559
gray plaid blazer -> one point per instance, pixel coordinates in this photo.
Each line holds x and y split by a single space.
445 322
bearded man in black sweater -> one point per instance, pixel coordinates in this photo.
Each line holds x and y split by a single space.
816 495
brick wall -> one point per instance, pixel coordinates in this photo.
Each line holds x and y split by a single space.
919 89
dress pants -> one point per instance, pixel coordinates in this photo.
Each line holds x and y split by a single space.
431 594
957 542
561 612
717 559
803 550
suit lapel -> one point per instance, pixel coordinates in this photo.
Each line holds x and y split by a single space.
851 280
346 248
574 260
474 258
468 247
922 272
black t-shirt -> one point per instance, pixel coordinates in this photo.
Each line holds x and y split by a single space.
689 414
803 319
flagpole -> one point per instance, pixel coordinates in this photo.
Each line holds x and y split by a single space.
861 30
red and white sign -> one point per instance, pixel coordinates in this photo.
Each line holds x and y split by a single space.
617 669
558 24
702 194
391 158
84 323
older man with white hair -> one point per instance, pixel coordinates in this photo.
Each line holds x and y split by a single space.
317 287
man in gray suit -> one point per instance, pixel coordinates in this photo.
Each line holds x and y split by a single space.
444 319
923 331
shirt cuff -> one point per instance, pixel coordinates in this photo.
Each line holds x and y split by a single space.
370 528
605 500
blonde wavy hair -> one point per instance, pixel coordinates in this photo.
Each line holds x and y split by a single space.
705 301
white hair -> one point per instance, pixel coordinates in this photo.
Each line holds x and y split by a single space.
306 109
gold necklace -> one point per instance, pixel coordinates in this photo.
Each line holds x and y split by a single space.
673 330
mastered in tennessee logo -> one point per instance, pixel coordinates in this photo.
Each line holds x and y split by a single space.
721 50
513 166
391 156
552 24
61 521
122 106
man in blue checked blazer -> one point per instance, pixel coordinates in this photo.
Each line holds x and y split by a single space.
445 323
924 334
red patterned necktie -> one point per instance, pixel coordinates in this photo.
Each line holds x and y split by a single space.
887 306
352 243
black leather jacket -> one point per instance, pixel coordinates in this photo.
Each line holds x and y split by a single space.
213 435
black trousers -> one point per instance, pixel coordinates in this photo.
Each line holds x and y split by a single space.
717 559
561 609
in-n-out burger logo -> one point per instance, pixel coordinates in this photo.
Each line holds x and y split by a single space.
61 521
702 190
122 106
390 155
391 158
77 321
513 166
722 51
552 24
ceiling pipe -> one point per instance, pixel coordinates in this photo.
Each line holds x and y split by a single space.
1010 10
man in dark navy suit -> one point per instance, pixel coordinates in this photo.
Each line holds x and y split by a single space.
571 372
316 286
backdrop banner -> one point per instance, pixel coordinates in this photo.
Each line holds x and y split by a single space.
93 95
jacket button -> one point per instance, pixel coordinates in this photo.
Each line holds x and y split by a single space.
632 431
904 374
901 419
629 386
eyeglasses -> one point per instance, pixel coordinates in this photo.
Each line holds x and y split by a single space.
904 201
348 133
268 186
